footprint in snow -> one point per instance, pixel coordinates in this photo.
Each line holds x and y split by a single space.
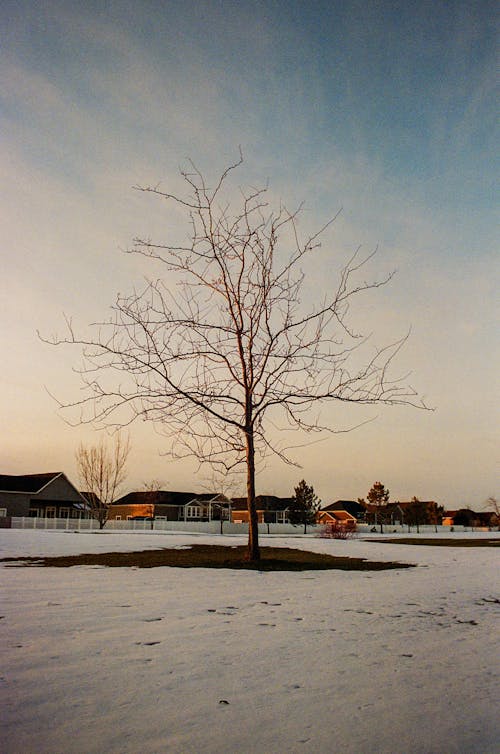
147 643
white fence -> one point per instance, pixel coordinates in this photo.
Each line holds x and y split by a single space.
200 527
212 527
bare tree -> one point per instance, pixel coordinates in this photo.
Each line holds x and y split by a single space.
417 513
153 488
493 505
230 352
101 470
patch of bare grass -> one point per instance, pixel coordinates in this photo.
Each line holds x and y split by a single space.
211 556
439 542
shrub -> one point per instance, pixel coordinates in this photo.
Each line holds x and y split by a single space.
336 530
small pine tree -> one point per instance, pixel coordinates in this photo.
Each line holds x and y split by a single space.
379 497
305 504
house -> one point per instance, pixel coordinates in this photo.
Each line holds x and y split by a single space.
415 512
468 517
351 506
339 517
407 513
270 509
49 495
449 518
167 505
208 508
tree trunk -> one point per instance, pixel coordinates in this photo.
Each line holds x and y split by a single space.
253 524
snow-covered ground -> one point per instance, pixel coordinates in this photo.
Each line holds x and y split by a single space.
143 661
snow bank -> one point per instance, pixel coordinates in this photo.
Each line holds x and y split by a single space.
98 660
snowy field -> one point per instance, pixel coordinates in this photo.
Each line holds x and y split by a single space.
181 661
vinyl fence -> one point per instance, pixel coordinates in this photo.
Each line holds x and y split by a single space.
208 527
198 527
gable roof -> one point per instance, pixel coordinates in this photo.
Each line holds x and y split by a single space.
205 500
263 503
408 503
338 515
162 497
30 483
351 506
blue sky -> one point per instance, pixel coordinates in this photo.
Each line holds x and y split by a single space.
384 109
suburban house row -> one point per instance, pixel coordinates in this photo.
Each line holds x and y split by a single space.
52 495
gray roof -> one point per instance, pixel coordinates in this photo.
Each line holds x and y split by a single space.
162 497
26 482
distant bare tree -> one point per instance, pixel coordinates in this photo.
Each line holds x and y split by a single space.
101 470
492 504
417 513
232 350
153 489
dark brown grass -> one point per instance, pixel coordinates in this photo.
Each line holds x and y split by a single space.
440 542
212 556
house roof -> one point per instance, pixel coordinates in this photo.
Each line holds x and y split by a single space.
204 500
162 497
263 503
351 506
30 483
91 497
338 515
409 503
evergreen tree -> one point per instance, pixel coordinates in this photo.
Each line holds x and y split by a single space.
304 506
378 496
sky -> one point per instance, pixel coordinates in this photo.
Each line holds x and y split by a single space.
385 110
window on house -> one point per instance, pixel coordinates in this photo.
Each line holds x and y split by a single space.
193 511
63 512
118 518
3 512
50 511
